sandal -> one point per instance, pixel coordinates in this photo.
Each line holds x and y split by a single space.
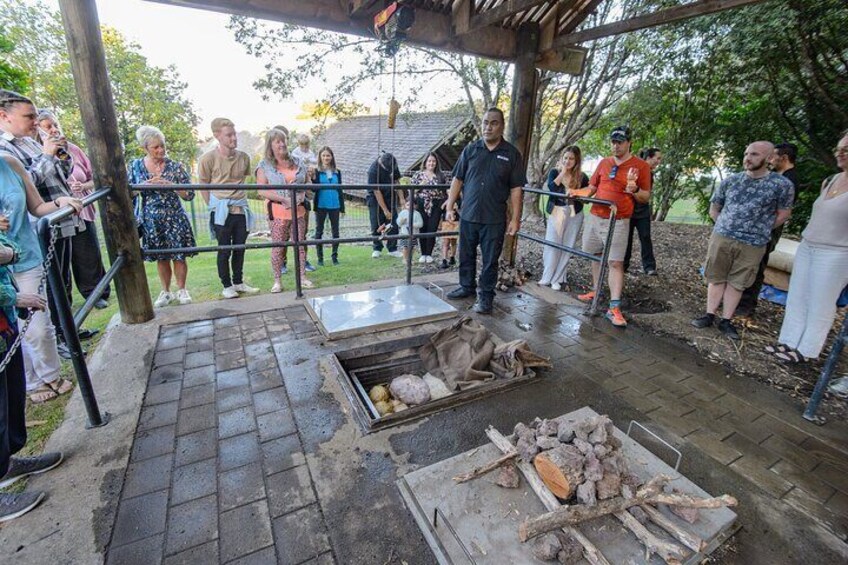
60 386
790 357
42 394
779 348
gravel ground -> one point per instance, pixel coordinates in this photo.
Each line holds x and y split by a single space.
665 304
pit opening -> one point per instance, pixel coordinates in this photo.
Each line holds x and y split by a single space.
362 368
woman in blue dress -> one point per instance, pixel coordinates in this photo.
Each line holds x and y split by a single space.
162 220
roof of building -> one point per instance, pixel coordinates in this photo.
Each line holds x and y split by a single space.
356 142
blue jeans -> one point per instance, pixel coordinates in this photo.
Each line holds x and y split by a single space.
490 238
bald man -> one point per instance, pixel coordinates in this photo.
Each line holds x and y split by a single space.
746 207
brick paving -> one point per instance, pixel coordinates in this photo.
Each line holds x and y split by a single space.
217 472
776 456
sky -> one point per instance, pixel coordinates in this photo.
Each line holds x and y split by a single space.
204 51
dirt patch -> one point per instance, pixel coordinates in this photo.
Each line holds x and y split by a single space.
665 304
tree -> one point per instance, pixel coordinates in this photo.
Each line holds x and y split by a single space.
11 77
144 94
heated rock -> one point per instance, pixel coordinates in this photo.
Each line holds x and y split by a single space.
572 550
536 423
565 433
410 389
613 463
507 477
527 449
548 428
600 451
545 442
592 468
584 446
523 432
546 547
586 494
609 486
599 434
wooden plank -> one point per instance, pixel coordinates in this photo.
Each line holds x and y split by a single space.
563 60
88 65
462 16
660 17
505 10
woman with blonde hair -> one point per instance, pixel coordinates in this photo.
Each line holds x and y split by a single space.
565 217
162 220
279 167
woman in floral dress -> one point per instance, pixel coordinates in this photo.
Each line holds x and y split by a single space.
162 220
429 202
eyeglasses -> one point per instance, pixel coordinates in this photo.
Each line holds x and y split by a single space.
613 171
840 151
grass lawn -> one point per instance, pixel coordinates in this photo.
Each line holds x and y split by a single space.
356 266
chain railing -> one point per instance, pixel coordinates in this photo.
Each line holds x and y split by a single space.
69 323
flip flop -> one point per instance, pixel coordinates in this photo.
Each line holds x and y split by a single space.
60 386
42 394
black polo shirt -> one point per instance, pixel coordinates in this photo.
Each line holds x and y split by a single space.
487 179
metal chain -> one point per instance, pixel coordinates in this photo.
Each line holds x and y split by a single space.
48 260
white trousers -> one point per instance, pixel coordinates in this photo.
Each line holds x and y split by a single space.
562 229
818 276
41 359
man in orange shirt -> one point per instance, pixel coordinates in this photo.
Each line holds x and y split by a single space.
623 179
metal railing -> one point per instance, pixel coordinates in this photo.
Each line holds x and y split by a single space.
69 322
602 259
293 189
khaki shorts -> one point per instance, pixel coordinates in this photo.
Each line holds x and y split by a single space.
595 232
732 262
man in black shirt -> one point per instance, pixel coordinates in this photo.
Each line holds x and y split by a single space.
381 203
489 173
641 220
782 161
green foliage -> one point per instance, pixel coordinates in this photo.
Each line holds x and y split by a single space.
144 94
11 77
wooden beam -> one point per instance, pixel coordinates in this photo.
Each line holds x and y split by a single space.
505 10
548 27
88 65
580 10
660 17
461 10
566 60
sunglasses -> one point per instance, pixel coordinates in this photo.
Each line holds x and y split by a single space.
613 171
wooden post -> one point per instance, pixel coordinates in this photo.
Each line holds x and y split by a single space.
88 64
522 107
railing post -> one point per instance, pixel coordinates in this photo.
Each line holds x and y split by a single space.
411 236
593 309
295 230
69 330
826 374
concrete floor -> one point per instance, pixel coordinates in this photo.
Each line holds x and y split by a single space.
322 490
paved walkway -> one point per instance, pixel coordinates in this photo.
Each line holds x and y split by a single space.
235 460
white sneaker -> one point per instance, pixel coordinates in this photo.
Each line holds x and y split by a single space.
164 298
183 297
306 283
556 286
278 287
422 259
429 258
395 253
229 292
245 288
375 254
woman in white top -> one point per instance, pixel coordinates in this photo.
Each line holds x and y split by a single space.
820 270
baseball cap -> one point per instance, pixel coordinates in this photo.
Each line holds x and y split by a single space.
621 133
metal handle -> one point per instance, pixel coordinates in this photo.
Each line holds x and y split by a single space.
659 439
441 291
436 513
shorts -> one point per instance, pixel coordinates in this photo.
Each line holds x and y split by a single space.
733 262
404 243
595 230
446 225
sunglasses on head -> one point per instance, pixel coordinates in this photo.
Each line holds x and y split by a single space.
613 171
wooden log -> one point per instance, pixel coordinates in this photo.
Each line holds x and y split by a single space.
483 469
590 552
97 108
670 552
561 469
651 493
682 535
